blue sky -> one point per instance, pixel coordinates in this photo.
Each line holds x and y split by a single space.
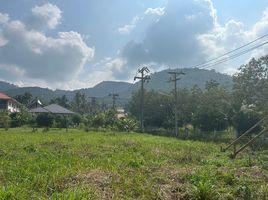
72 44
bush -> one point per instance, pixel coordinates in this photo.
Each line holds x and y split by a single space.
44 120
5 120
76 120
245 120
126 124
61 121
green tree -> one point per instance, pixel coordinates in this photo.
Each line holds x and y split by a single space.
62 101
4 120
44 120
80 103
158 110
21 118
24 98
76 119
213 110
250 94
251 85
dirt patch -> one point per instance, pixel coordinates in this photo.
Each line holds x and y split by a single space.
248 172
131 143
173 184
100 181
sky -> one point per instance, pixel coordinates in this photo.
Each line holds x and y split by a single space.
63 44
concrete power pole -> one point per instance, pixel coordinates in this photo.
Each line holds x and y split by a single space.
143 78
174 79
114 96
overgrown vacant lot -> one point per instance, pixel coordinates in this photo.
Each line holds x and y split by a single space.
87 165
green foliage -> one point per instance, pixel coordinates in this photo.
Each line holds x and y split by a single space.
21 118
207 110
244 120
204 190
126 124
107 165
5 120
61 121
24 98
212 112
44 120
80 104
251 84
76 119
109 120
157 108
62 101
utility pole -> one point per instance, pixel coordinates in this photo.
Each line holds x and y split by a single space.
114 95
174 79
143 78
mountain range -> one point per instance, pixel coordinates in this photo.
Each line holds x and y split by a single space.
158 81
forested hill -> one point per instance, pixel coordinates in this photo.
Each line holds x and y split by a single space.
158 81
193 76
6 86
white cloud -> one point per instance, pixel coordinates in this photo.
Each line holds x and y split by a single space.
155 11
171 38
45 16
30 54
149 16
126 29
188 33
233 35
4 18
261 27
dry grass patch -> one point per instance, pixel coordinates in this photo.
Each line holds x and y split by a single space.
97 180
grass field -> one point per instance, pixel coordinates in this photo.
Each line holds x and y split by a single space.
89 165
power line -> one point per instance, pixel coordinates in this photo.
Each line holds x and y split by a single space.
225 54
208 65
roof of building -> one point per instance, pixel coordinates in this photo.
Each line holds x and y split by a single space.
39 110
53 108
57 109
4 96
34 103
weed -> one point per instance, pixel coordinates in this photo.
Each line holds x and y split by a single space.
110 165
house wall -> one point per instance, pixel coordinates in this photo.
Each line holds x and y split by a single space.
8 105
12 106
3 104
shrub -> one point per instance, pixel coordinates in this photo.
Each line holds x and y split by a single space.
5 120
61 121
76 120
44 120
245 120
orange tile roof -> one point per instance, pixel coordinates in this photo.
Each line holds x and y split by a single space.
4 96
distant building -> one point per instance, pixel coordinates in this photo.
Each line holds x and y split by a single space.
53 109
120 113
34 103
8 104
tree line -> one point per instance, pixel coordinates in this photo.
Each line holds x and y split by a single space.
214 108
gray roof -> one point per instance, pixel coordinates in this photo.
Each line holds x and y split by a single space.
39 110
57 109
53 108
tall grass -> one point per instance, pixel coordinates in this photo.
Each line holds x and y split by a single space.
110 165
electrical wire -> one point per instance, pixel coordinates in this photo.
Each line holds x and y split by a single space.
204 64
208 65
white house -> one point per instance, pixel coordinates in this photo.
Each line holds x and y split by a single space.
8 104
